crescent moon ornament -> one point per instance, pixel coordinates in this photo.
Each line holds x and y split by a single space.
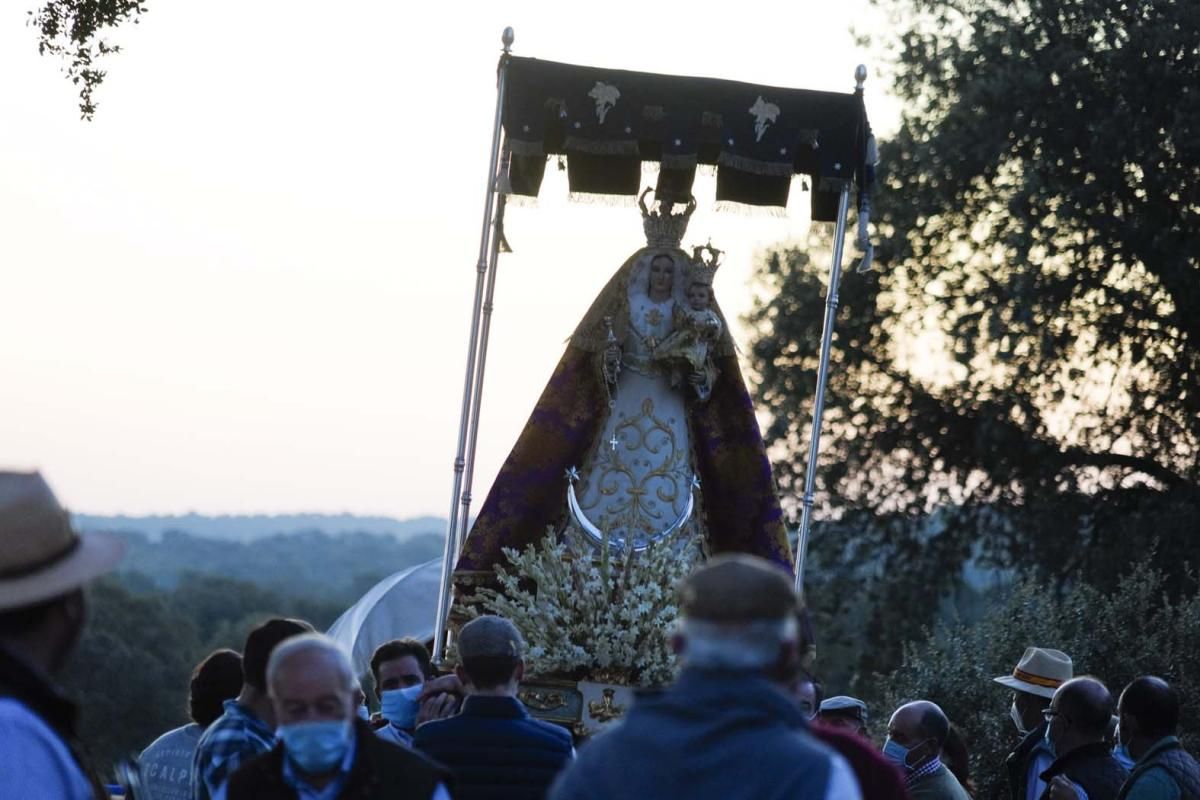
597 536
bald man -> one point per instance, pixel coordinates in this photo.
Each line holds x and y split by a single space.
916 734
1149 712
323 749
1077 723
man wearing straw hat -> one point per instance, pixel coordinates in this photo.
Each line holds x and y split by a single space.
44 564
1034 680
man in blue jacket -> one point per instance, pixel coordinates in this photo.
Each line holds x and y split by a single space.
727 728
494 748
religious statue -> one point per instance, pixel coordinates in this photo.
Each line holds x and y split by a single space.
645 423
696 327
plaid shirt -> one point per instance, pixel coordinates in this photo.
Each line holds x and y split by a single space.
236 736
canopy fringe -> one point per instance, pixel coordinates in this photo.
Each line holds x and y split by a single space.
576 144
745 210
754 166
523 201
686 161
610 200
525 148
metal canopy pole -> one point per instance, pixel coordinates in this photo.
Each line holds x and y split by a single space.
484 335
451 554
831 304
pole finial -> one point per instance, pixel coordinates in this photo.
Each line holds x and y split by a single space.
507 38
860 76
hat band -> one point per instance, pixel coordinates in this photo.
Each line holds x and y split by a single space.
24 570
1036 680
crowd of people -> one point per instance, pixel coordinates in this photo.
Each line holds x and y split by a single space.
288 717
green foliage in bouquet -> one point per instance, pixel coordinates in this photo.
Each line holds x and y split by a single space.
592 615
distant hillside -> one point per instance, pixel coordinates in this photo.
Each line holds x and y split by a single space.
331 568
248 528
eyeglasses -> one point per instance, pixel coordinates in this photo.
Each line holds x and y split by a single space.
1049 714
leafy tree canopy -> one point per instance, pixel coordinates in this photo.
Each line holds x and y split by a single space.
1025 358
132 666
954 666
74 30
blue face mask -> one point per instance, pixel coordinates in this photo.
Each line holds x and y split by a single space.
363 713
897 754
1121 753
1049 742
316 747
399 706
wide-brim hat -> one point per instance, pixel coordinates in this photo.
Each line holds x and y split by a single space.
41 555
1040 671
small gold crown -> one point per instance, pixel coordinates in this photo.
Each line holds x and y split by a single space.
701 270
664 228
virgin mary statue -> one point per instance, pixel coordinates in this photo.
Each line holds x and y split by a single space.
639 433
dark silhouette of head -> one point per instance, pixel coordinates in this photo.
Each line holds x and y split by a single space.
216 679
1149 711
259 645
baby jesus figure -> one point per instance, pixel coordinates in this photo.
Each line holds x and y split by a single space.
695 328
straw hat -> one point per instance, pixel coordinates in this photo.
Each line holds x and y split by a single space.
41 556
1040 671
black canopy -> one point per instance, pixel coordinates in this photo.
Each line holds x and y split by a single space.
607 121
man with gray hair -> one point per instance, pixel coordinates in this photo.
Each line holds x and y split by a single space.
493 746
727 728
323 749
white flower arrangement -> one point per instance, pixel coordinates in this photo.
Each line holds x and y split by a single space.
589 615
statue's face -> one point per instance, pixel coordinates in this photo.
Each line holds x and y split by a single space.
697 295
662 274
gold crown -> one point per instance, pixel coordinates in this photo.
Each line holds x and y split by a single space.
701 270
664 228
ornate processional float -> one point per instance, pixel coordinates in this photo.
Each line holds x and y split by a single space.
643 453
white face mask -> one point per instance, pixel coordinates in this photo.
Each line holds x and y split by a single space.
1016 718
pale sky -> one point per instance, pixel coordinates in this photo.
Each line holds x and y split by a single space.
245 287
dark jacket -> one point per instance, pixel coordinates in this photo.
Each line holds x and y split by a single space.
1168 754
19 681
1093 767
496 750
1018 762
380 770
713 734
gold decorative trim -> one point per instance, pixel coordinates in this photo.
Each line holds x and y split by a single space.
546 701
604 709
